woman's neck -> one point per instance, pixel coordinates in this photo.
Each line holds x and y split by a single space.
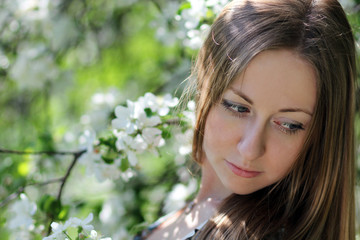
211 187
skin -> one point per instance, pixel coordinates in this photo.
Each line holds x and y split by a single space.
275 96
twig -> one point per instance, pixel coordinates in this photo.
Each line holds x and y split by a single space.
174 121
38 153
77 155
62 180
70 168
22 189
157 5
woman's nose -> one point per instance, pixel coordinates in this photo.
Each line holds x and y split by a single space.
252 142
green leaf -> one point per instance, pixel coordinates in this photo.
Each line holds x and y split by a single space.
110 141
124 164
43 201
107 159
166 133
64 213
185 5
50 205
148 112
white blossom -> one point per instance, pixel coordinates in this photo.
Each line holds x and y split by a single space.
104 171
137 132
152 136
187 27
180 192
183 145
143 121
133 117
193 15
58 231
102 104
87 140
95 236
216 5
104 99
166 103
189 113
185 141
84 224
123 120
148 101
88 51
92 159
63 32
4 61
31 10
22 211
33 67
126 143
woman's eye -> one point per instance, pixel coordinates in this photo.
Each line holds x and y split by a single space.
235 108
288 127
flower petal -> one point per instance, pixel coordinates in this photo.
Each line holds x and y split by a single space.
122 112
88 219
119 123
132 158
149 134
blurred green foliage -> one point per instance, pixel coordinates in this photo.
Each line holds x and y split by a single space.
48 118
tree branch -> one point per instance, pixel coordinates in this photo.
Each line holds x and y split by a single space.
77 155
3 151
62 180
20 190
157 5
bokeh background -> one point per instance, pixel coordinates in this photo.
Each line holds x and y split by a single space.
64 66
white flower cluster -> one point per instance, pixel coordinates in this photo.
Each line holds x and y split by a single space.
33 64
187 26
184 139
136 129
59 231
178 195
33 67
21 222
94 163
100 108
23 22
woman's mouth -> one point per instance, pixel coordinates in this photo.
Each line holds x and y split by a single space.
242 172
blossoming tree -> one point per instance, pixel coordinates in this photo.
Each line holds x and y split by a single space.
117 162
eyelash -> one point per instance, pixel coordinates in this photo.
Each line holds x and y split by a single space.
236 109
292 127
239 111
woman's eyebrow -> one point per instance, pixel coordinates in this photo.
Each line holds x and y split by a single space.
242 95
246 98
296 110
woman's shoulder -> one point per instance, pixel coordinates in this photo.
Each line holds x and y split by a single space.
151 228
192 234
182 224
147 231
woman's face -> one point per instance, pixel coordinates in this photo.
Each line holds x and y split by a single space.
254 134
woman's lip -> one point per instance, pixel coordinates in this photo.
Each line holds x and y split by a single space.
240 171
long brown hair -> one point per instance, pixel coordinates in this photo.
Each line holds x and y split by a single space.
316 199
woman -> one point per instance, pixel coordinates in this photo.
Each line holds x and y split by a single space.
274 130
